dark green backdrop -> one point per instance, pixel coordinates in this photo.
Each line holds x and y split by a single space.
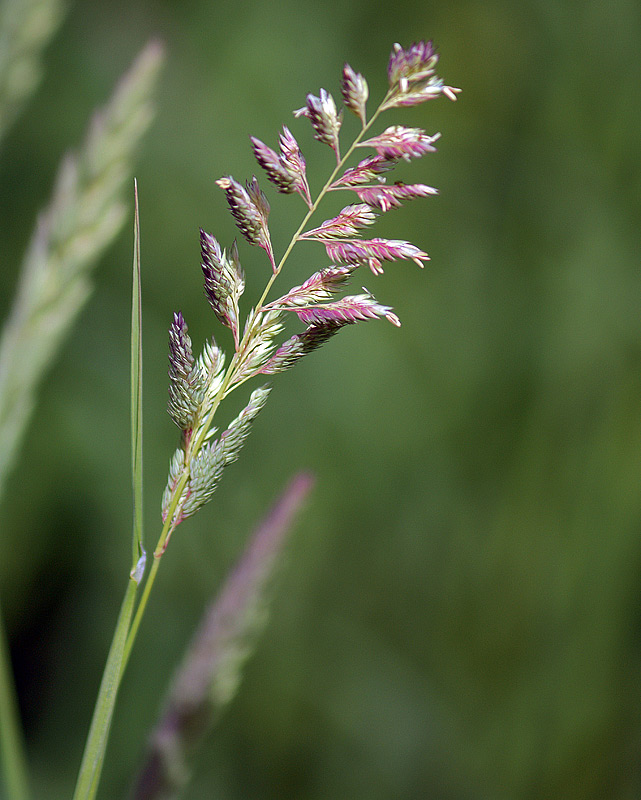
458 615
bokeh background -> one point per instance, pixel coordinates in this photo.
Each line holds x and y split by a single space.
458 615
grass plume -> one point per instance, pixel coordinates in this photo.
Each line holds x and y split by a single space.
84 215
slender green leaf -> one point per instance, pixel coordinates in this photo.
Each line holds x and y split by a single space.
138 564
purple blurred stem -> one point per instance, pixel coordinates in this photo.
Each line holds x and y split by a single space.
211 669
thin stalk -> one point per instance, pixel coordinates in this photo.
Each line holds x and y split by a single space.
135 625
165 533
92 760
14 762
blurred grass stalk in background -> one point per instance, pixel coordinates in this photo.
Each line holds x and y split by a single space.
84 215
211 669
26 26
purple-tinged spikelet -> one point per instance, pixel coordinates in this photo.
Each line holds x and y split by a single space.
416 63
346 311
317 288
286 170
183 405
250 209
224 280
373 252
355 92
412 77
181 358
367 170
350 220
300 345
397 141
259 199
207 467
276 171
293 159
386 197
326 120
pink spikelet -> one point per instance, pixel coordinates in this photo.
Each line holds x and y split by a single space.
326 120
355 92
373 252
250 209
416 63
293 159
369 169
412 76
350 220
387 197
397 141
317 288
348 310
287 170
273 165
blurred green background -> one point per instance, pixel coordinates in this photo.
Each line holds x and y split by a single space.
458 616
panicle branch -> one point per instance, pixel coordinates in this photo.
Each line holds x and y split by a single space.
346 311
300 345
317 288
369 169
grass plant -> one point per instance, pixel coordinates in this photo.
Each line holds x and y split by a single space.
86 211
199 385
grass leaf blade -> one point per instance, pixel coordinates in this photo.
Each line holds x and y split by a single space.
138 554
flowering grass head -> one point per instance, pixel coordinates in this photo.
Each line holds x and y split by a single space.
197 386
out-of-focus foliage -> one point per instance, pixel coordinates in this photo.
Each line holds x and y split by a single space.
458 616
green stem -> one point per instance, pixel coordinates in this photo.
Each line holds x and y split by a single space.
133 630
163 539
94 754
14 763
